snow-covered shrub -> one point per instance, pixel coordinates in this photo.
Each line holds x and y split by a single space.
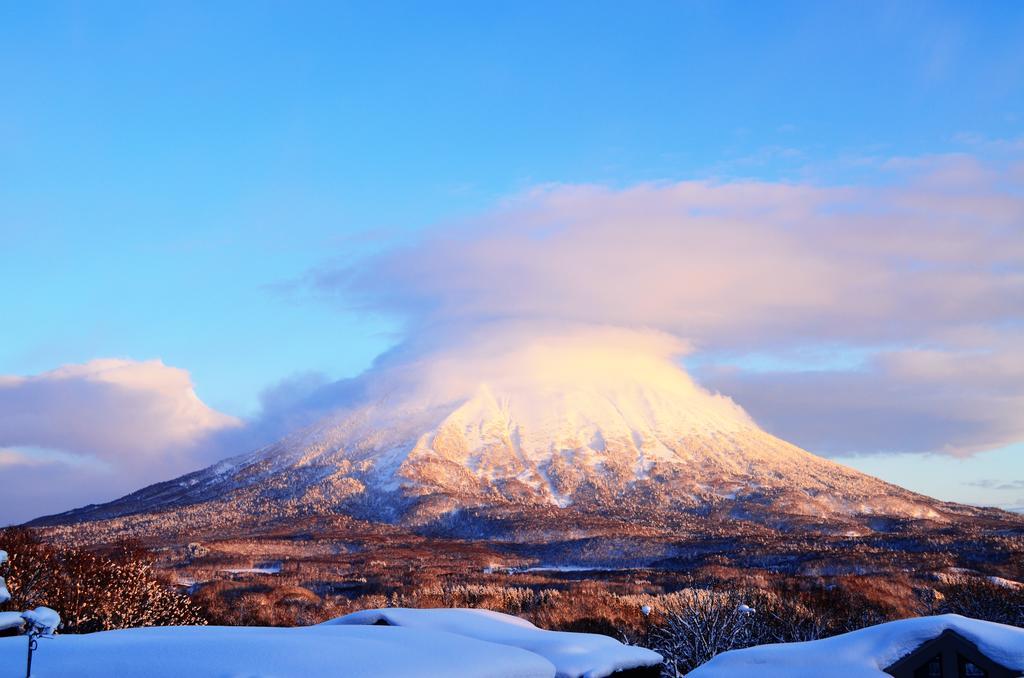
93 592
41 621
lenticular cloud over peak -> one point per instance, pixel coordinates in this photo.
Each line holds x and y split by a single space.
925 262
723 265
542 364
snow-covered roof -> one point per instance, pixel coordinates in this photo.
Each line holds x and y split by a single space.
583 655
865 653
261 652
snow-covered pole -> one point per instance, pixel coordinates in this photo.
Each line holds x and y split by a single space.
41 621
32 644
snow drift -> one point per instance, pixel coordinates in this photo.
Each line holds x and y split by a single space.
575 655
253 652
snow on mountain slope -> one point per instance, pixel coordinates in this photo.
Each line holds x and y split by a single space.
594 418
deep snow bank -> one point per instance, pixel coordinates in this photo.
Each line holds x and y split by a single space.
259 652
864 653
583 655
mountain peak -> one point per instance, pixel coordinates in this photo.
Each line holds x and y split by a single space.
596 419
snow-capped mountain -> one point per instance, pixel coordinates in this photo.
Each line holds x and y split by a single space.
597 421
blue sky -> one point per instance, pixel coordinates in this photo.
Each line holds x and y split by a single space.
171 172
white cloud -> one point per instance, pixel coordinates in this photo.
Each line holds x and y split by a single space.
952 402
94 431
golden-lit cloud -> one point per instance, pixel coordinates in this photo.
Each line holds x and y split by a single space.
920 269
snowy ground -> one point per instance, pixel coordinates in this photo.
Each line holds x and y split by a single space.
865 653
263 569
575 655
259 652
417 643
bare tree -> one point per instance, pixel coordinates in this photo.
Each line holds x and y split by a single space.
982 598
93 592
700 624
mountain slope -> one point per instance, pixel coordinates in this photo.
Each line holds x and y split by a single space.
590 421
